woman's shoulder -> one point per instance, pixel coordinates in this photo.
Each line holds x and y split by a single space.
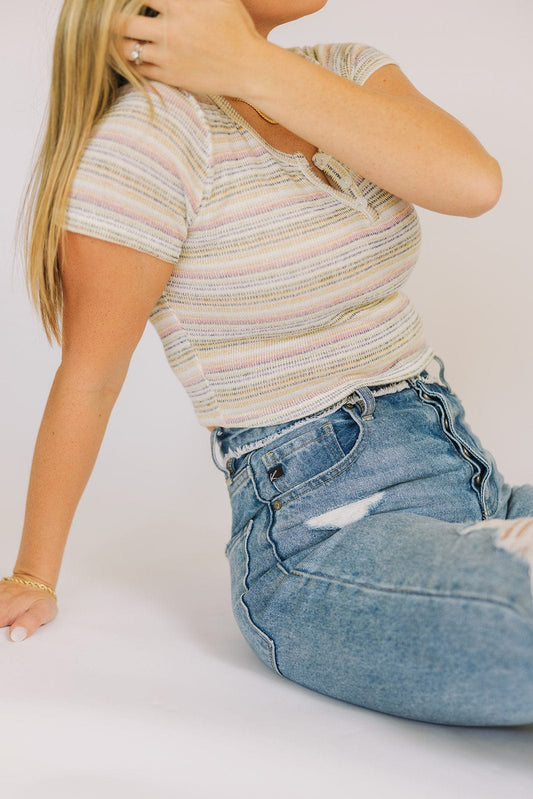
159 111
143 173
353 60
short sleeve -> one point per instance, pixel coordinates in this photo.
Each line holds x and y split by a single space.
141 180
354 61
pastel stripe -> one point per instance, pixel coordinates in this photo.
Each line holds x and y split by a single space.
286 292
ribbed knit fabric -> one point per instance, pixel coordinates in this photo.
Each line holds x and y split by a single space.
286 292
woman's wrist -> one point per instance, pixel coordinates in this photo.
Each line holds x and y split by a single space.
255 80
18 580
35 577
261 80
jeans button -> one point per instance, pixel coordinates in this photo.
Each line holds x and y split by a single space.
277 504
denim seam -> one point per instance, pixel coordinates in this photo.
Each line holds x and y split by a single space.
474 450
409 592
332 443
271 644
236 538
239 480
269 539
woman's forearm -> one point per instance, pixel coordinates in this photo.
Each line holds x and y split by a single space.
386 130
411 148
69 438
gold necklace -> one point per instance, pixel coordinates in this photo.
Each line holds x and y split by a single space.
264 116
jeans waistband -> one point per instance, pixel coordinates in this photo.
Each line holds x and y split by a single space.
227 443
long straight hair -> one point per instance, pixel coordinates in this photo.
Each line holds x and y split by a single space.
87 75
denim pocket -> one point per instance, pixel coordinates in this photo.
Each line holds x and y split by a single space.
310 453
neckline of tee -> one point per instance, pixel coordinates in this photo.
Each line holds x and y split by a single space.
293 158
228 109
298 157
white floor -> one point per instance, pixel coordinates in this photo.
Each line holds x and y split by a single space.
143 687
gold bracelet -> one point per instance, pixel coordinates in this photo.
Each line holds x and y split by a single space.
30 582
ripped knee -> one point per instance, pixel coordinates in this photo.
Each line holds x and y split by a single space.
513 535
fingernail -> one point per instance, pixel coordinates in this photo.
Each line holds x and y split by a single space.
18 633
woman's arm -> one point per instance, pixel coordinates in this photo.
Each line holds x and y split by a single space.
109 292
385 130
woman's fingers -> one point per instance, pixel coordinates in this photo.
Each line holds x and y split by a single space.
147 29
137 34
202 46
41 612
23 610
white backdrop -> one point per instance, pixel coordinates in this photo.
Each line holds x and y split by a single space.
149 533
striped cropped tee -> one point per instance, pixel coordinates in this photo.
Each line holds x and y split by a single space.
286 292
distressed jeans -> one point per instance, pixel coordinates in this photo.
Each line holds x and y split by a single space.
378 556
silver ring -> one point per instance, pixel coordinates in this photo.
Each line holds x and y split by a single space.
136 54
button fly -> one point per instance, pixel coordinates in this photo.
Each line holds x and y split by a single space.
321 160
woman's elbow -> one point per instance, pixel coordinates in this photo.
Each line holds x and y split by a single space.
488 189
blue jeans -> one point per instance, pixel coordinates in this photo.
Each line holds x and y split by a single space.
378 556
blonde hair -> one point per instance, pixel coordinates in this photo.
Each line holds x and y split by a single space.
87 75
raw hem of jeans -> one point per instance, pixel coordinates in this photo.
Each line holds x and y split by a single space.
238 452
377 391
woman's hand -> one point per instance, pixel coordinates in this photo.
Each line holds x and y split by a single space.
203 46
24 609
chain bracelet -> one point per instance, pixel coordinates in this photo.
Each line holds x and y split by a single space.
31 583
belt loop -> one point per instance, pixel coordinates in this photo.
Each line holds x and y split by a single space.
216 454
365 399
367 403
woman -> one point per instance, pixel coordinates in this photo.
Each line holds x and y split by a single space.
261 216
